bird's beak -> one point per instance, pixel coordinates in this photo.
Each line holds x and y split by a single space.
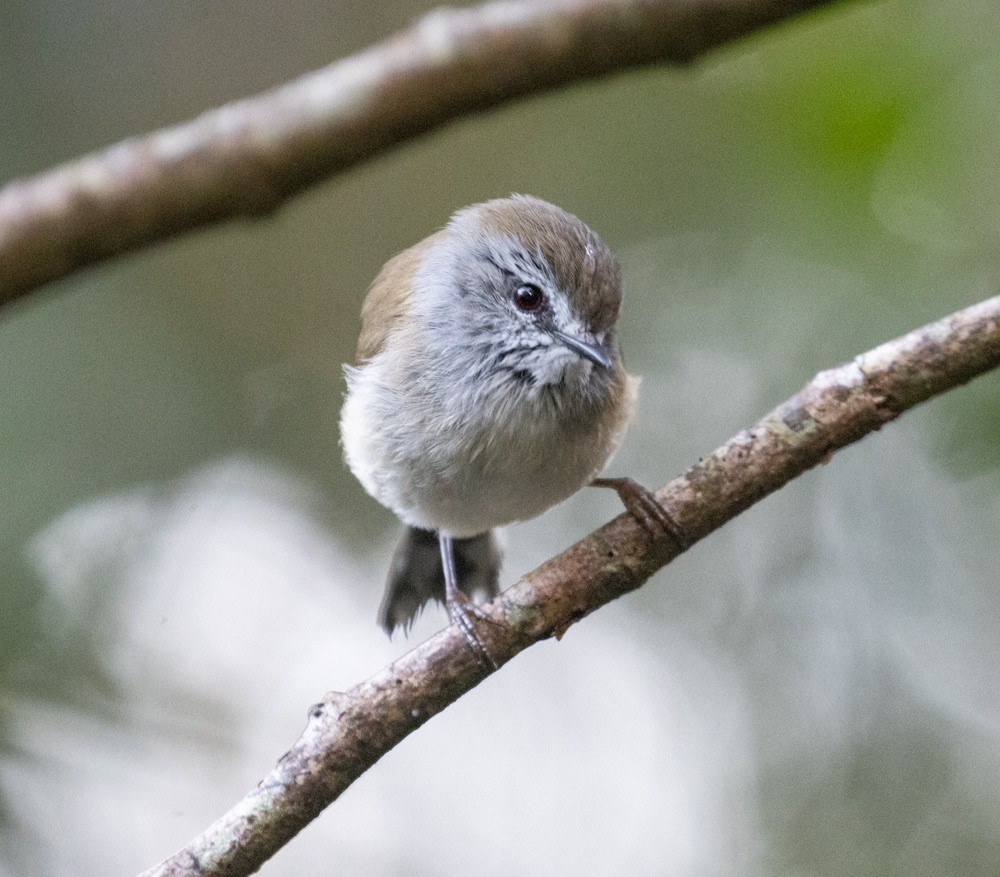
594 352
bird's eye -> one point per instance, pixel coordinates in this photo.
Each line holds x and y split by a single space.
528 297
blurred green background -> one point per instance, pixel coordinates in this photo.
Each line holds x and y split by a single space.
187 564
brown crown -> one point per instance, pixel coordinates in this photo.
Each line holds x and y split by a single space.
583 265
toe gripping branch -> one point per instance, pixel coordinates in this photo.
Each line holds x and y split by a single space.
640 502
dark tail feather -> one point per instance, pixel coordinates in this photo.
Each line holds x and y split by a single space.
416 575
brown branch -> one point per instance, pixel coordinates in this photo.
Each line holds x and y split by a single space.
246 158
348 732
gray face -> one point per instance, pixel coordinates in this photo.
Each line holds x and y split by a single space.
525 313
532 302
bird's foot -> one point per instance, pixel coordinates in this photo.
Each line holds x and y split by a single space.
640 502
469 617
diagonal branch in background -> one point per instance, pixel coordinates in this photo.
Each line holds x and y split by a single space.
246 158
348 732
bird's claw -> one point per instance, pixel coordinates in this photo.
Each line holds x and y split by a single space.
466 615
640 502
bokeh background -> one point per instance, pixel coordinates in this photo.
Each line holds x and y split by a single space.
187 565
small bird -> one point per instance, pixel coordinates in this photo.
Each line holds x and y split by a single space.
488 386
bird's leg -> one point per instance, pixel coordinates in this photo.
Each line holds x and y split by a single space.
640 502
461 610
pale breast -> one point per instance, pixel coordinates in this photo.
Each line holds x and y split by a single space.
470 478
